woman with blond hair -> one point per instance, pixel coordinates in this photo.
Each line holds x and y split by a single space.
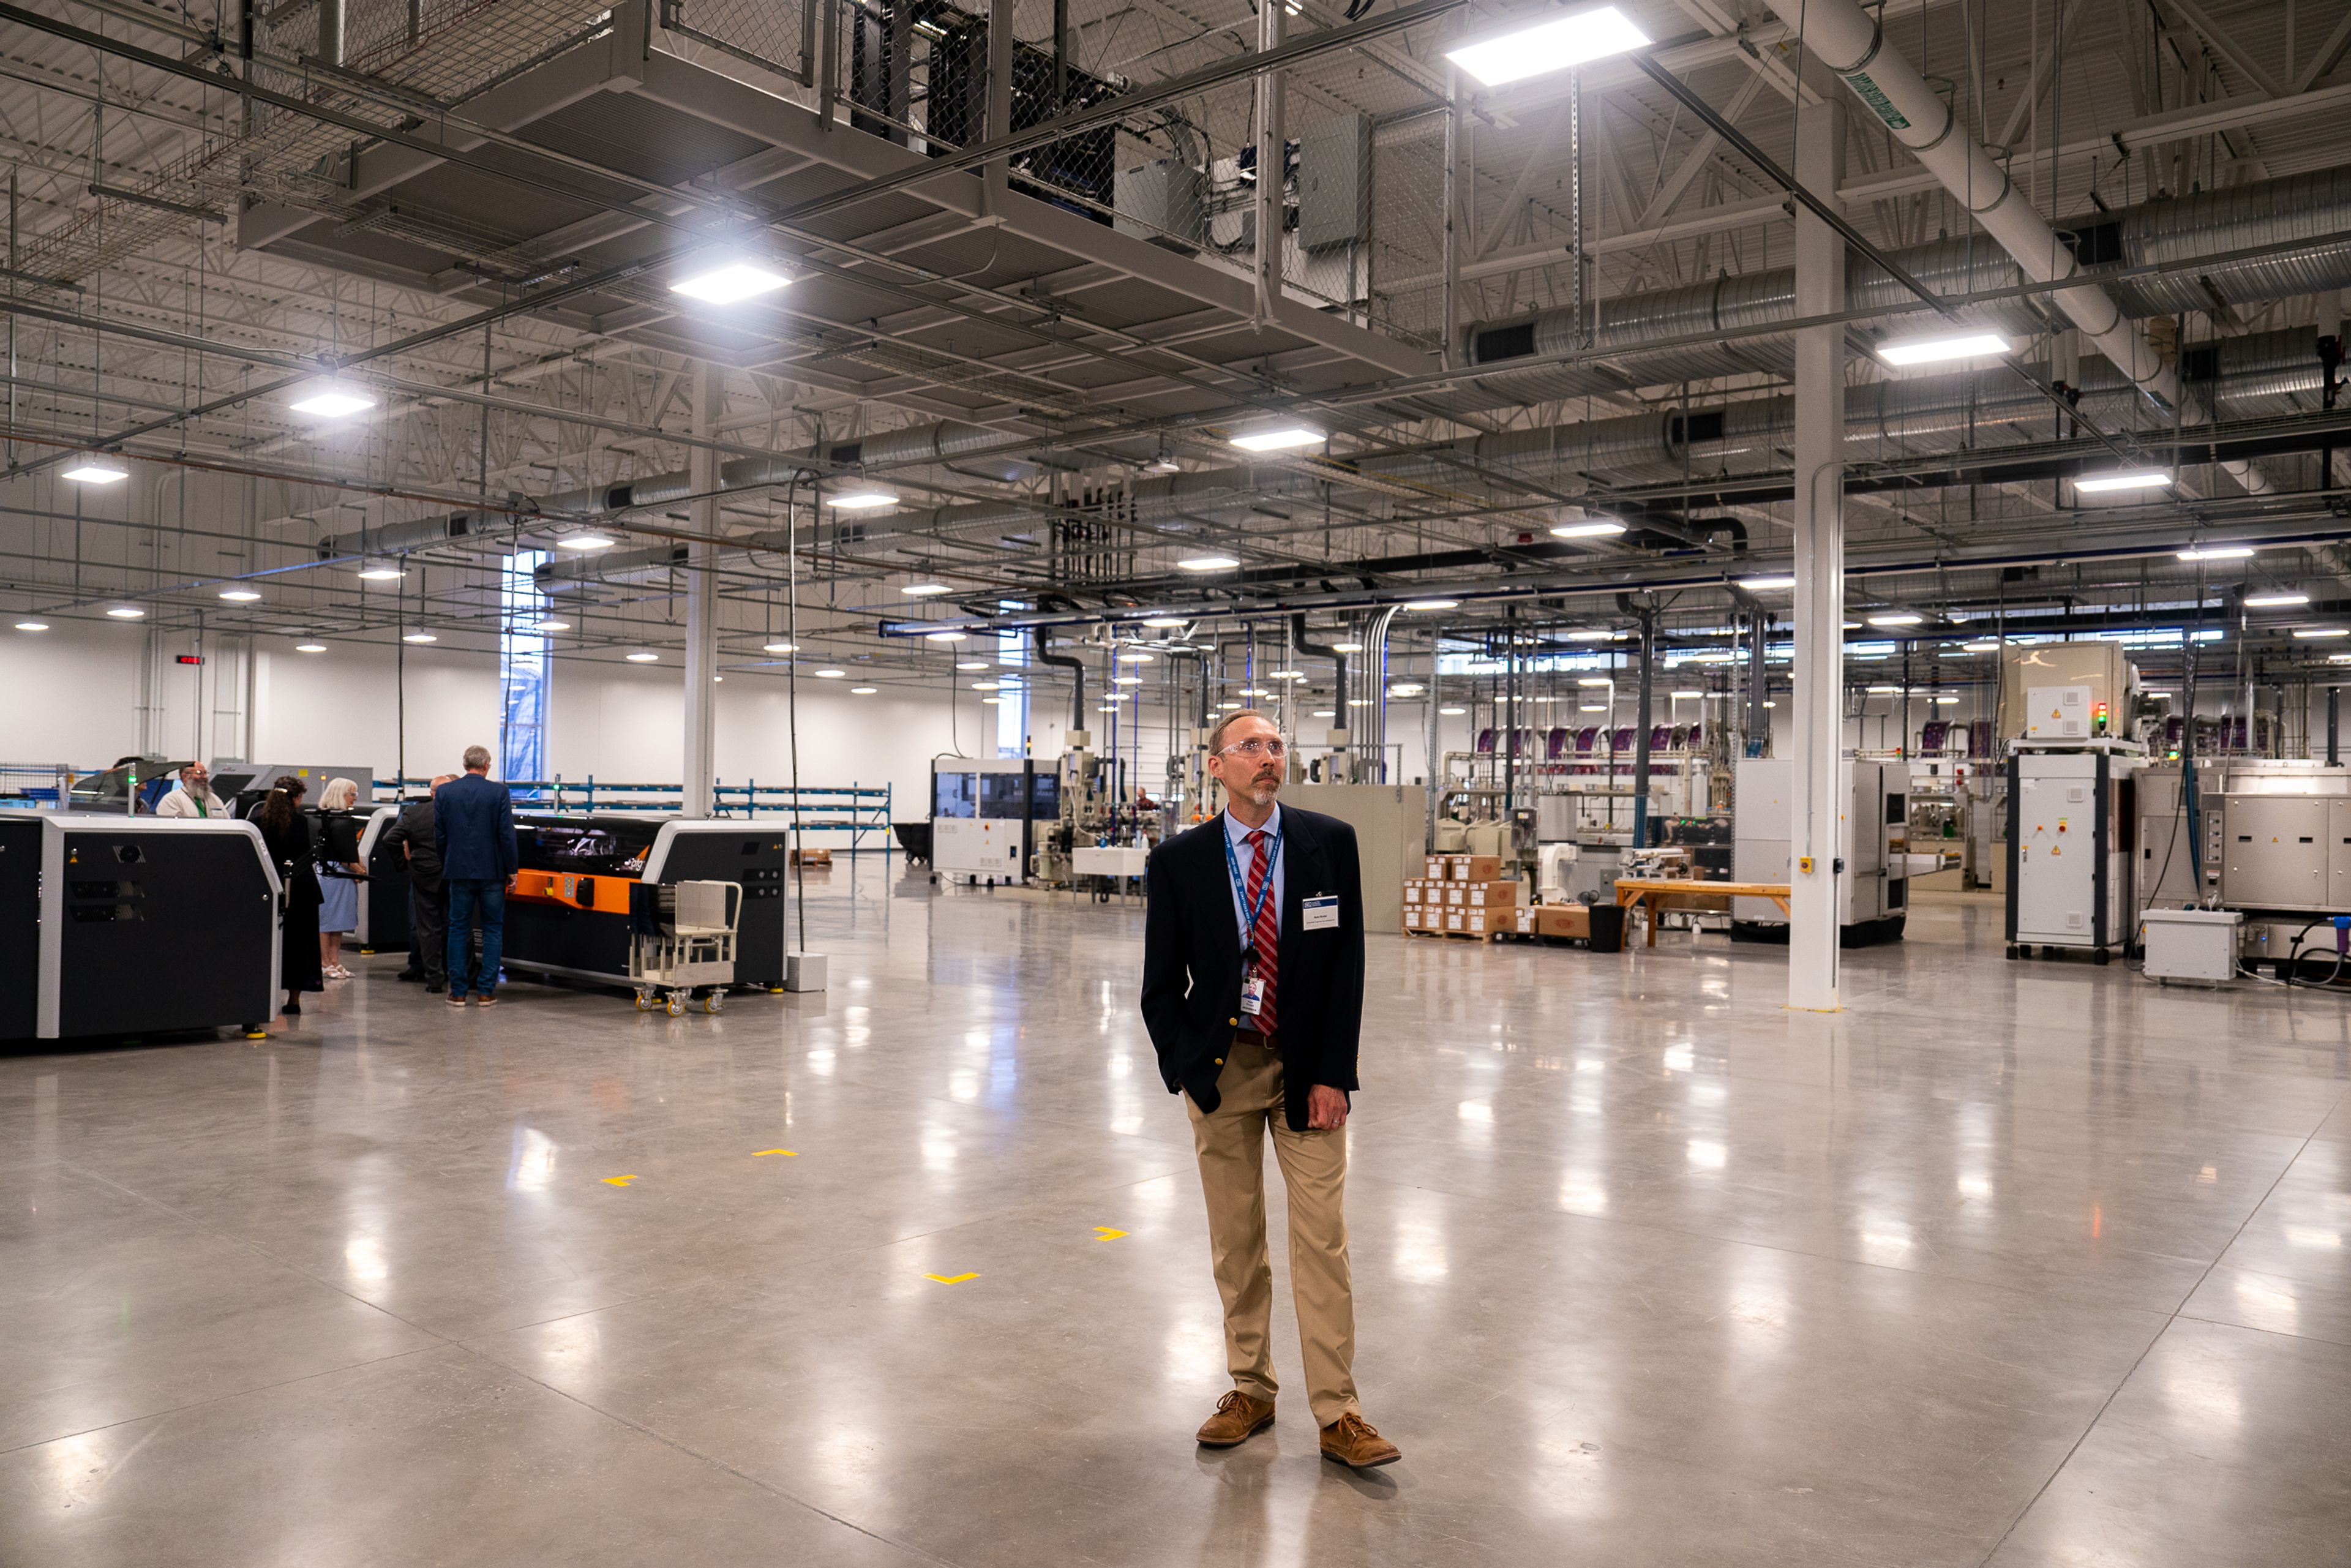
340 873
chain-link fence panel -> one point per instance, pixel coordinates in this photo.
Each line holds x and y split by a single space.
779 35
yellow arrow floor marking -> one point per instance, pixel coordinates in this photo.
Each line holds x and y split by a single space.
621 1180
950 1278
1104 1233
762 1154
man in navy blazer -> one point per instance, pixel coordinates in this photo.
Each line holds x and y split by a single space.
1253 993
474 827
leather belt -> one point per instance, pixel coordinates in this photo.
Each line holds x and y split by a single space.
1251 1036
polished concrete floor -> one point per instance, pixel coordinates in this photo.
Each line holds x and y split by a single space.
2010 1263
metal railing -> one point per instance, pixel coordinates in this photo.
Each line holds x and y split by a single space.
42 784
857 810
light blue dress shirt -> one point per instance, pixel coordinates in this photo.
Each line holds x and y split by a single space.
1245 857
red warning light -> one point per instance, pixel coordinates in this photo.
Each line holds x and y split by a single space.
189 659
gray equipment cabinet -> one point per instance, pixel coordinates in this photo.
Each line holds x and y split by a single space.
2072 828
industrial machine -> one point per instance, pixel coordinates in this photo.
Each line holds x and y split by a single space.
1872 844
590 885
2073 822
2191 944
2091 689
987 817
113 925
242 783
384 896
131 786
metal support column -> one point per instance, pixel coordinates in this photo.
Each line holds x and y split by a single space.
702 603
1272 158
1644 715
1450 237
1819 677
1759 684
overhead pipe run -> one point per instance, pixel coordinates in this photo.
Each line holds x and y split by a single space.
2315 205
1851 44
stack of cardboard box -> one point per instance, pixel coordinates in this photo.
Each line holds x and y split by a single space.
1464 894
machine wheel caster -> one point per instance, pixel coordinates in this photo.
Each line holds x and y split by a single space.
644 1002
711 1003
2101 958
2015 952
676 1008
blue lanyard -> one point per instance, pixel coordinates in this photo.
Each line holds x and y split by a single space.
1251 907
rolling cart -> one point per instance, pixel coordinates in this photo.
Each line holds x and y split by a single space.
686 944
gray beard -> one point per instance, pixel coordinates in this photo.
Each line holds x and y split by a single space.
1262 794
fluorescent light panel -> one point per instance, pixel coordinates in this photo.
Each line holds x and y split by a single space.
2123 479
1938 349
1281 439
1554 46
730 284
97 471
332 402
1588 530
861 500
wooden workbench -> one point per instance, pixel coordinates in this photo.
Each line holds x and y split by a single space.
1654 891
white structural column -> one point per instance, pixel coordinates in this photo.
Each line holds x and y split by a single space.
1813 876
1273 161
702 603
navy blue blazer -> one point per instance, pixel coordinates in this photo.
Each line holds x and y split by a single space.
1192 961
474 827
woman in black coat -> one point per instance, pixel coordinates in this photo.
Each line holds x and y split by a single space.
287 833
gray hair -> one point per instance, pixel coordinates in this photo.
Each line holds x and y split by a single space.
477 759
1216 736
340 795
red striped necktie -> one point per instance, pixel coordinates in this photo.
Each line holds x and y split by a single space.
1266 935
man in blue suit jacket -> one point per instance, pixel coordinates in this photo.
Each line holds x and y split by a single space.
474 827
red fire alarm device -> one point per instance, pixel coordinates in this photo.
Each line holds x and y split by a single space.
191 659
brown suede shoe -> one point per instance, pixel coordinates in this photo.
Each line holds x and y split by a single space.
1238 1418
1352 1442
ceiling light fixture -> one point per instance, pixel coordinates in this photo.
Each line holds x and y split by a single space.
583 542
971 664
779 647
1133 655
925 590
309 647
1590 636
32 625
419 637
865 691
1346 647
1281 438
2275 600
1684 696
553 626
831 675
1762 584
943 637
1453 712
642 656
97 471
2318 634
1939 350
1208 563
861 500
239 595
128 612
332 402
1423 604
1166 622
2217 552
1594 681
1897 618
730 284
1595 528
2122 479
380 574
1987 647
1547 47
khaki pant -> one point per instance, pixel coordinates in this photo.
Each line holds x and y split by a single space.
1231 1146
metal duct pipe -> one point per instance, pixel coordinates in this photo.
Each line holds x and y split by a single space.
1077 669
1300 640
2310 205
1850 43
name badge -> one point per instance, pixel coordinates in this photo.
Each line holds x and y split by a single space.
1320 913
1253 995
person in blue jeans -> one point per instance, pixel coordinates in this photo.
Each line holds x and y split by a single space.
474 827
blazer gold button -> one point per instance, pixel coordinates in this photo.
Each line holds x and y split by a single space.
1235 1022
1220 1061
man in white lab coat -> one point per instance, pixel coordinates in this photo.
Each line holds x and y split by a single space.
194 798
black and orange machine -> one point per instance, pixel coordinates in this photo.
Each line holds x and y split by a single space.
602 898
116 925
384 896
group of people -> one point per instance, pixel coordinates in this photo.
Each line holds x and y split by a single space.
459 848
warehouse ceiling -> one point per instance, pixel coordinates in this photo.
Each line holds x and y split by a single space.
476 218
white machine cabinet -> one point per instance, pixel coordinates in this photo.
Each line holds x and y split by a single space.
2071 812
1873 828
2191 944
983 817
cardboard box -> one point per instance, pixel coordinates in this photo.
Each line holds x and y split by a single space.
1563 920
1411 892
1456 894
1453 918
1523 921
1439 867
1493 894
1475 868
1476 921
